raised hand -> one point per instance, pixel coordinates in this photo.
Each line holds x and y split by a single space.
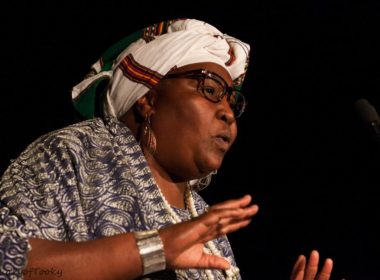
308 270
184 242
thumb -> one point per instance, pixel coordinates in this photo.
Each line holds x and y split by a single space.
213 262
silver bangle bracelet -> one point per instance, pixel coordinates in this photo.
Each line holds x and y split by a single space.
151 250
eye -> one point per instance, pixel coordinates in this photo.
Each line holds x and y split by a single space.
209 91
212 89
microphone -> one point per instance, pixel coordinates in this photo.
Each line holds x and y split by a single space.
368 114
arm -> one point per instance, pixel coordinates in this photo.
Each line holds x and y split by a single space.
117 257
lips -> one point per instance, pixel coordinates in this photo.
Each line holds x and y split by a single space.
223 140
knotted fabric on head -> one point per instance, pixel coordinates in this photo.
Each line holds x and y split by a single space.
138 62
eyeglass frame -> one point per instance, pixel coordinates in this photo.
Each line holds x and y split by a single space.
203 74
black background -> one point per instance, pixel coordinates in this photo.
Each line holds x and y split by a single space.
302 152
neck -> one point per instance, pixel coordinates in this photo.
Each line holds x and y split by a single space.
174 192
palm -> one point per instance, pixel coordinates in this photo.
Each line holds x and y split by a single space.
184 242
192 257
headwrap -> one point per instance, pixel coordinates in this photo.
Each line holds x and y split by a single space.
138 62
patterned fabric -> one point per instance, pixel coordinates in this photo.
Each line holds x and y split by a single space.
151 53
13 244
79 183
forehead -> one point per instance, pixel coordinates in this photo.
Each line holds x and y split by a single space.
213 67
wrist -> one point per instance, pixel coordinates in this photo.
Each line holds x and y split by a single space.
151 251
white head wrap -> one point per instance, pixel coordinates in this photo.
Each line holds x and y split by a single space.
142 64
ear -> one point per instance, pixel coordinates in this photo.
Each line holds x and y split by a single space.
144 106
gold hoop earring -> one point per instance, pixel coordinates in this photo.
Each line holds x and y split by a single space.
148 138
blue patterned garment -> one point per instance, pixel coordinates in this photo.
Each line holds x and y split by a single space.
79 183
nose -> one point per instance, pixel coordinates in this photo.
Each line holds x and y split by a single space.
225 112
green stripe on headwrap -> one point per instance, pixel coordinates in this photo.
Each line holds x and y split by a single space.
85 103
112 53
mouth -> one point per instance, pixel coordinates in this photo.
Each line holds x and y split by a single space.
223 141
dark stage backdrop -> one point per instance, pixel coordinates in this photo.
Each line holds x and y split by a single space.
302 151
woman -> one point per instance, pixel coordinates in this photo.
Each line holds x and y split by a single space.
116 197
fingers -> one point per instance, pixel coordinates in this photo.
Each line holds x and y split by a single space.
222 230
240 214
231 214
299 268
234 213
233 203
221 219
208 226
227 220
326 270
308 270
184 242
312 265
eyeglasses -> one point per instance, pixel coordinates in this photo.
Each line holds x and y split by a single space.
214 88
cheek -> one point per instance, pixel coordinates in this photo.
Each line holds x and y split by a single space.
234 132
187 113
183 133
179 126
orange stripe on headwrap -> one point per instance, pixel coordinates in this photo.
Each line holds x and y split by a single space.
139 73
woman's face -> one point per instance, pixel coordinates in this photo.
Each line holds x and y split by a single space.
193 133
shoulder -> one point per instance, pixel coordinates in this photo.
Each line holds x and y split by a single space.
72 135
90 127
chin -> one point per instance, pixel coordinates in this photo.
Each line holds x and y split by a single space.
211 165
